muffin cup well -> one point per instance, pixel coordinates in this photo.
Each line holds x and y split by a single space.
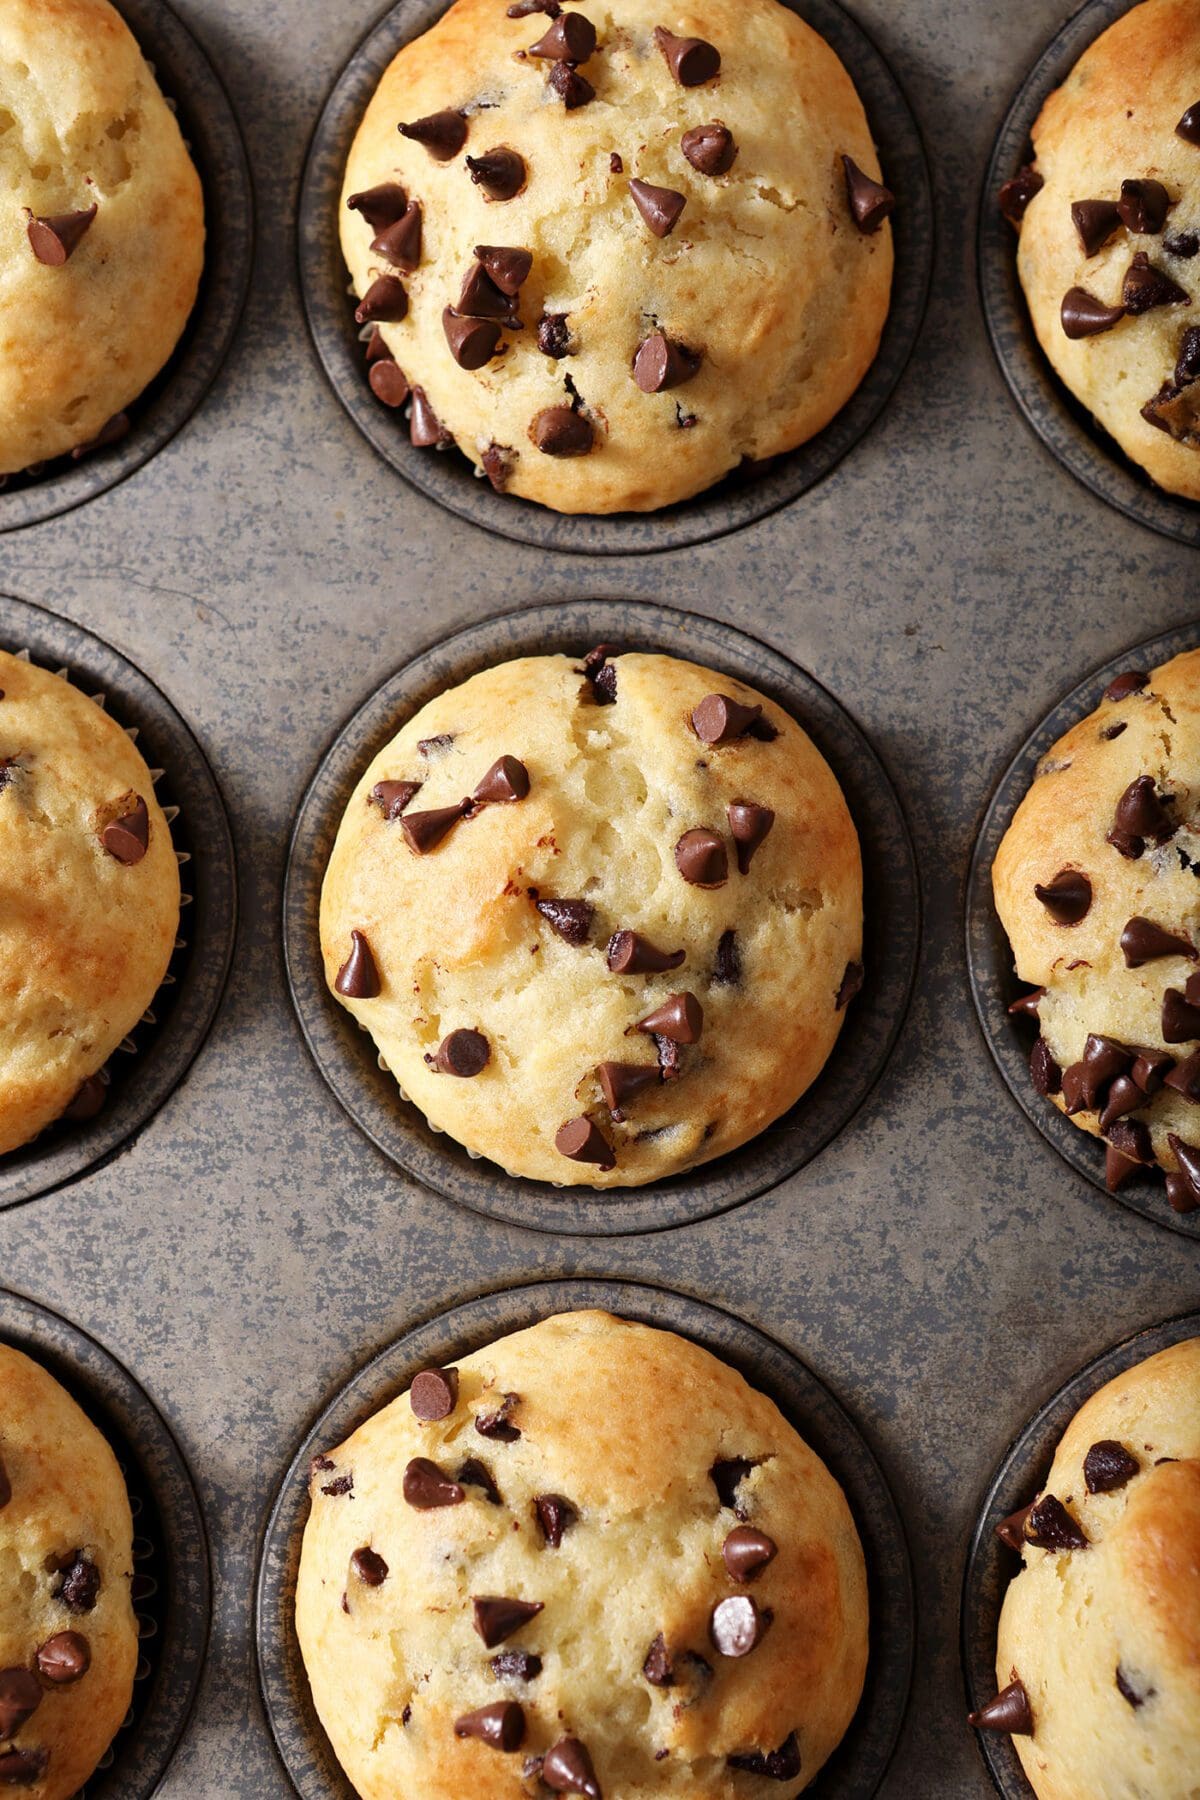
994 982
738 500
991 1565
154 1058
171 1581
1064 424
346 1055
210 129
857 1768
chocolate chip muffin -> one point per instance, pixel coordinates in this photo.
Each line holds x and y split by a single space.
1098 1659
102 238
68 1637
603 920
89 897
614 252
1097 883
589 1560
1109 217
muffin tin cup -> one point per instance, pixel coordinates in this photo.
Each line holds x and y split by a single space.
346 1055
155 1057
172 1589
994 983
206 118
738 500
991 1565
1065 426
856 1769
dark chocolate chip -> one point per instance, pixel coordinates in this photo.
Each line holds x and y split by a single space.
1051 1527
1113 731
749 825
710 149
1187 365
1084 316
20 1697
1011 1530
424 831
1150 1067
427 1487
434 1394
1108 1466
602 673
561 431
567 1769
775 1765
443 134
657 1665
1131 1138
358 977
747 1552
516 1665
1131 681
582 1141
508 268
718 719
1142 941
474 1473
1183 244
1028 1005
391 797
727 1476
572 88
1095 221
1009 1712
501 1726
621 1082
388 381
425 428
629 953
554 336
501 172
384 303
89 1099
692 61
380 206
1103 1060
482 299
57 237
1180 1019
128 837
521 9
1128 1691
499 461
660 207
464 1053
1140 813
571 38
1017 192
851 985
498 1425
727 965
506 780
1118 1169
700 858
1183 1185
555 1516
22 1768
870 202
571 919
400 244
1124 1096
497 1616
435 746
737 1626
1044 1071
473 342
369 1566
1147 287
339 1487
1143 207
680 1018
78 1584
64 1658
615 165
1067 897
661 363
1188 127
118 427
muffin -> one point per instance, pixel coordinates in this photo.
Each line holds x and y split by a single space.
589 1560
1109 217
1098 1658
602 921
1096 885
89 897
102 240
614 252
68 1637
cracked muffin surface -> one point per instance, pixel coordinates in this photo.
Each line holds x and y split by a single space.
762 301
590 1559
92 303
603 920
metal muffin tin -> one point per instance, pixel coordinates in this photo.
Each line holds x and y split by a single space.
1065 426
158 1051
449 478
346 1055
171 1578
193 88
991 1565
994 983
857 1767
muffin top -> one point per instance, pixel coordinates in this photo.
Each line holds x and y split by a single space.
102 239
601 1540
1110 245
694 289
68 1638
1102 1626
633 949
89 894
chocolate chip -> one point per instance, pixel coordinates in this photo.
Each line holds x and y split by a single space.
434 1394
680 1018
661 363
1067 897
554 336
1143 207
747 1552
498 462
425 428
358 977
615 165
474 1473
1147 287
1011 1530
718 719
1150 1067
1044 1071
521 9
571 919
1131 1139
78 1584
424 831
1188 127
567 1769
582 1141
128 838
1183 244
1009 1712
727 1476
1117 1169
572 88
508 268
1180 1020
1113 731
775 1765
498 1425
1108 1466
736 1626
497 1616
516 1665
749 826
1017 192
339 1487
692 61
621 1082
464 1053
853 977
482 299
1084 316
426 1487
1028 1005
380 206
22 1768
601 673
443 134
56 238
1131 681
1187 366
1104 1059
700 858
1140 813
1183 1185
1128 1691
561 431
1095 221
400 244
501 1725
473 342
20 1697
110 433
376 347
657 1665
436 746
1124 1096
727 965
1051 1527
571 38
64 1658
391 797
388 382
506 780
501 173
870 202
384 303
555 1516
629 953
89 1099
710 149
369 1566
660 207
1142 941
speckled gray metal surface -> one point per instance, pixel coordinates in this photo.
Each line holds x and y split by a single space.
938 1265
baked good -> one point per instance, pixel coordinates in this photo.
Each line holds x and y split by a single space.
632 949
89 897
1098 1656
1109 217
102 239
592 254
1096 885
551 1570
68 1637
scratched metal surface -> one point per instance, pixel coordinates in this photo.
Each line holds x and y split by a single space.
938 1265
